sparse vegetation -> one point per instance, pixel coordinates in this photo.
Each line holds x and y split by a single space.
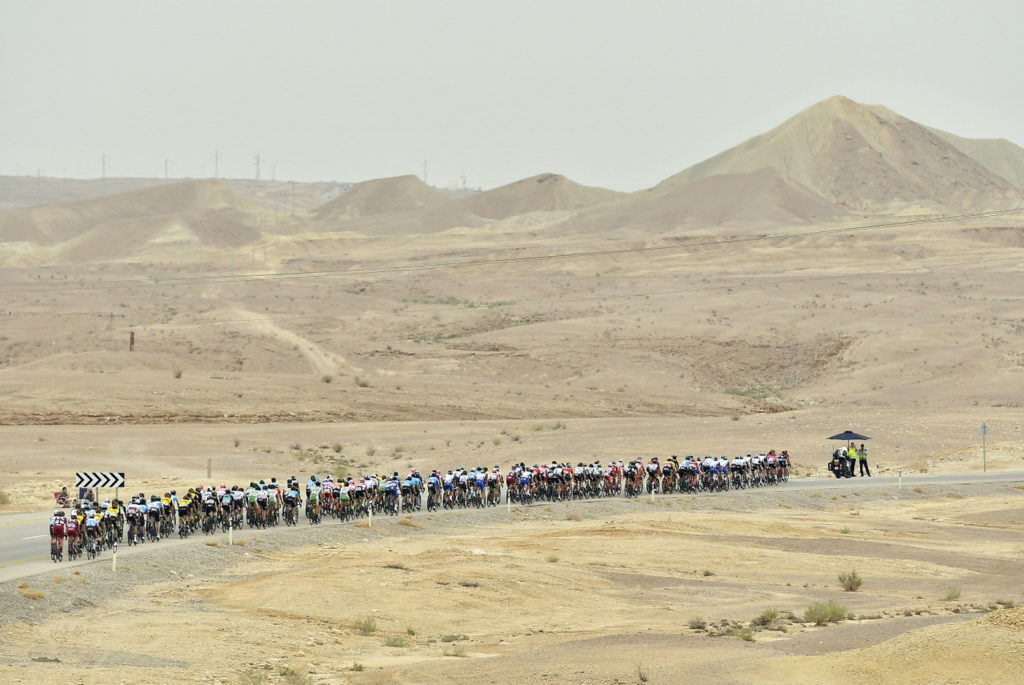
698 623
851 582
327 378
177 372
641 674
395 640
252 676
952 594
292 677
708 572
453 637
28 591
361 382
5 499
766 618
821 613
552 558
356 666
366 625
456 650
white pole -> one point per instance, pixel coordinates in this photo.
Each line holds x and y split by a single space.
231 530
113 559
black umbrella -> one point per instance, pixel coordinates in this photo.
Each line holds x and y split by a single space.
849 436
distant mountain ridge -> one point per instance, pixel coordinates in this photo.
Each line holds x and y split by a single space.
865 159
543 192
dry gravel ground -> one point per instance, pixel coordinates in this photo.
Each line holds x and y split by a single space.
661 333
580 592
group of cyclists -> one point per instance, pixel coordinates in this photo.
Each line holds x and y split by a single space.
92 527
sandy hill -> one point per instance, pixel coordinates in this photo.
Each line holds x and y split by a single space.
864 159
116 226
382 196
545 192
998 155
401 205
736 202
31 191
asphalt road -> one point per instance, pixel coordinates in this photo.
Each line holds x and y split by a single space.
25 544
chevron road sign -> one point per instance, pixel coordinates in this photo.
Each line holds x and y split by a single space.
99 480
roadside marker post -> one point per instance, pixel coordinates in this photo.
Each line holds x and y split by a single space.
984 452
113 559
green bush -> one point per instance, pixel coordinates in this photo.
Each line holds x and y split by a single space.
365 626
766 618
698 623
851 582
821 613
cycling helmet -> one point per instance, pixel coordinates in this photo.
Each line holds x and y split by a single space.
58 513
174 492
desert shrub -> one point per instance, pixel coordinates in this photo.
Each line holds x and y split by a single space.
356 666
396 641
177 372
745 634
366 625
4 498
708 572
362 382
327 378
820 613
252 677
29 592
698 623
951 595
851 582
766 618
292 677
453 637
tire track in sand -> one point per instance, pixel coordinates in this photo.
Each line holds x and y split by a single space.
320 360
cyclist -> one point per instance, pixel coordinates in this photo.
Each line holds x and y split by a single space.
58 529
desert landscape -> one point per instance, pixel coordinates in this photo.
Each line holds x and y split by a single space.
848 269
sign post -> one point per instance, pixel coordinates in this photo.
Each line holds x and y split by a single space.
984 430
92 479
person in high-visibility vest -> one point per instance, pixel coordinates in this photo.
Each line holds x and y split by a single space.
851 459
862 457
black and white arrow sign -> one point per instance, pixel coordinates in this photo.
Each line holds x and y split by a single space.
96 479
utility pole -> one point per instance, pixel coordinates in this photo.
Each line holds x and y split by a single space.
257 166
103 166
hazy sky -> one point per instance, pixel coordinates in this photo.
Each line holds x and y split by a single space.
616 94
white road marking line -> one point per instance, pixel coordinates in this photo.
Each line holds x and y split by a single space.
33 537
